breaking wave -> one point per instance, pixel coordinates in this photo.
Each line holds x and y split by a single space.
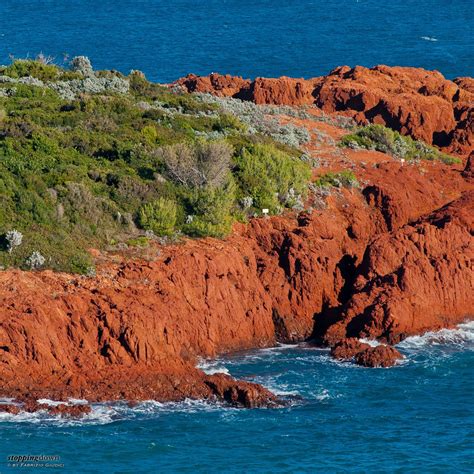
106 413
462 336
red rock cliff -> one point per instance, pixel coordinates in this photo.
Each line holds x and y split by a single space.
385 260
416 102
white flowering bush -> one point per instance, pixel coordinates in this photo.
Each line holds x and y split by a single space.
69 90
13 239
246 202
258 119
35 260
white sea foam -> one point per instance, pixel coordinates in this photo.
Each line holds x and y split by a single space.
429 38
323 395
6 400
279 347
211 367
278 388
462 335
51 403
55 403
370 342
77 401
106 413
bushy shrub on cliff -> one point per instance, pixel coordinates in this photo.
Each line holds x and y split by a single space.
266 174
82 65
98 168
13 239
380 138
28 67
159 216
197 166
35 260
41 70
210 210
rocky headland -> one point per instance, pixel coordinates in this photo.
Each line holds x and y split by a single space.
413 101
384 258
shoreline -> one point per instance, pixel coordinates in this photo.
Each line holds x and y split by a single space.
76 409
382 257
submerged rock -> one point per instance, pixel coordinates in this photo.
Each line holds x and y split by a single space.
379 356
364 354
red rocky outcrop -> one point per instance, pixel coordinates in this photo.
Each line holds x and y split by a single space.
416 102
468 171
415 279
364 354
384 261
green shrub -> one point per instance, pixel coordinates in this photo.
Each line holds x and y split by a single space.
267 174
158 216
380 138
30 67
141 241
210 210
344 178
82 263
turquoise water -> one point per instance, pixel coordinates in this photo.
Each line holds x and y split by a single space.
416 417
168 39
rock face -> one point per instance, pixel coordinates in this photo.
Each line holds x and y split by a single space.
468 172
383 261
136 330
220 85
414 279
416 102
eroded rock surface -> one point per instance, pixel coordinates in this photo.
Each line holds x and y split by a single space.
389 258
413 101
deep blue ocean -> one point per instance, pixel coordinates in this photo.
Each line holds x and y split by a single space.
301 38
415 417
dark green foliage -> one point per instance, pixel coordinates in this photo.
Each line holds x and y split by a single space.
94 171
159 216
266 174
380 138
209 210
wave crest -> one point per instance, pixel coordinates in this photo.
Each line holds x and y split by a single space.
462 335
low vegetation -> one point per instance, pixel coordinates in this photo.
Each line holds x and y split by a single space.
345 178
380 138
94 158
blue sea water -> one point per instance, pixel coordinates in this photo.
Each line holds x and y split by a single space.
301 38
416 417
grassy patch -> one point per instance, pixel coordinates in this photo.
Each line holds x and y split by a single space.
344 178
